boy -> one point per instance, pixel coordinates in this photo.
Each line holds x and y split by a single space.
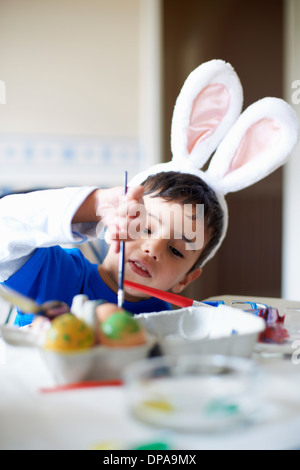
33 226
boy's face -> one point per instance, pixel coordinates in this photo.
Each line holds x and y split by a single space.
163 254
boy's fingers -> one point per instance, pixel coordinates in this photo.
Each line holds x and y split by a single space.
117 233
118 219
135 192
116 246
134 196
133 206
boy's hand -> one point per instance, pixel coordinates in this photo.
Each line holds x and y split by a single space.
122 215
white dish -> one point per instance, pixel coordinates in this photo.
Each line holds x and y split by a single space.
18 336
287 348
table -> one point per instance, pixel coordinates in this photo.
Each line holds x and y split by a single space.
99 418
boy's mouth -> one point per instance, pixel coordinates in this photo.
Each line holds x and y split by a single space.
139 268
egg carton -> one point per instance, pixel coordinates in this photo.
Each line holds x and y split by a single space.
204 330
193 330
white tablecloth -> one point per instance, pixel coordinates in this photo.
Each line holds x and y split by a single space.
99 417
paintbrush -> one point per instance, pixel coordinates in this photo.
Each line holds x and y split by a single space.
174 299
121 259
50 309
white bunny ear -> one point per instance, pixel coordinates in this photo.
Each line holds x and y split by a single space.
208 104
257 144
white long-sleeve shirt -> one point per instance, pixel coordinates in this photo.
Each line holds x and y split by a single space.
39 219
43 219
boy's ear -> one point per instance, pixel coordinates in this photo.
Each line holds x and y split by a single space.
186 280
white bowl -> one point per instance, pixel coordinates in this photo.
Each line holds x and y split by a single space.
204 330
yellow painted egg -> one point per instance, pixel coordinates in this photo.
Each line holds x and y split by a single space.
69 333
118 328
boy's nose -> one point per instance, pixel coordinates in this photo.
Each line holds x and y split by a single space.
153 248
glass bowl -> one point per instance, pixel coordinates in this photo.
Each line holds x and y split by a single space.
193 393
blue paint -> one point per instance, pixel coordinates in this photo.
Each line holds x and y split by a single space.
215 303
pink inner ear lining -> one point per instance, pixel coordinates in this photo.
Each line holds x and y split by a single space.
261 136
209 108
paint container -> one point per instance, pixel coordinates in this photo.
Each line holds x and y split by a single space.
193 393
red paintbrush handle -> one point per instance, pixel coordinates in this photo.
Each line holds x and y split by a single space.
174 299
84 384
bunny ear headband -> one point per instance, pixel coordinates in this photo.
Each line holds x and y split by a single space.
249 146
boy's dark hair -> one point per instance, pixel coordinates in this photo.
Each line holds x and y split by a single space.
190 189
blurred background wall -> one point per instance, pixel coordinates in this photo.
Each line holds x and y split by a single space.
250 37
72 70
90 90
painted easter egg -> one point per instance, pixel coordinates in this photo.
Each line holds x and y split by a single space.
106 310
120 329
69 333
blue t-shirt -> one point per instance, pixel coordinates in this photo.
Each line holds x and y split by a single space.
57 273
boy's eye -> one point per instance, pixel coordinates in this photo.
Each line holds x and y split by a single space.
176 252
147 231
